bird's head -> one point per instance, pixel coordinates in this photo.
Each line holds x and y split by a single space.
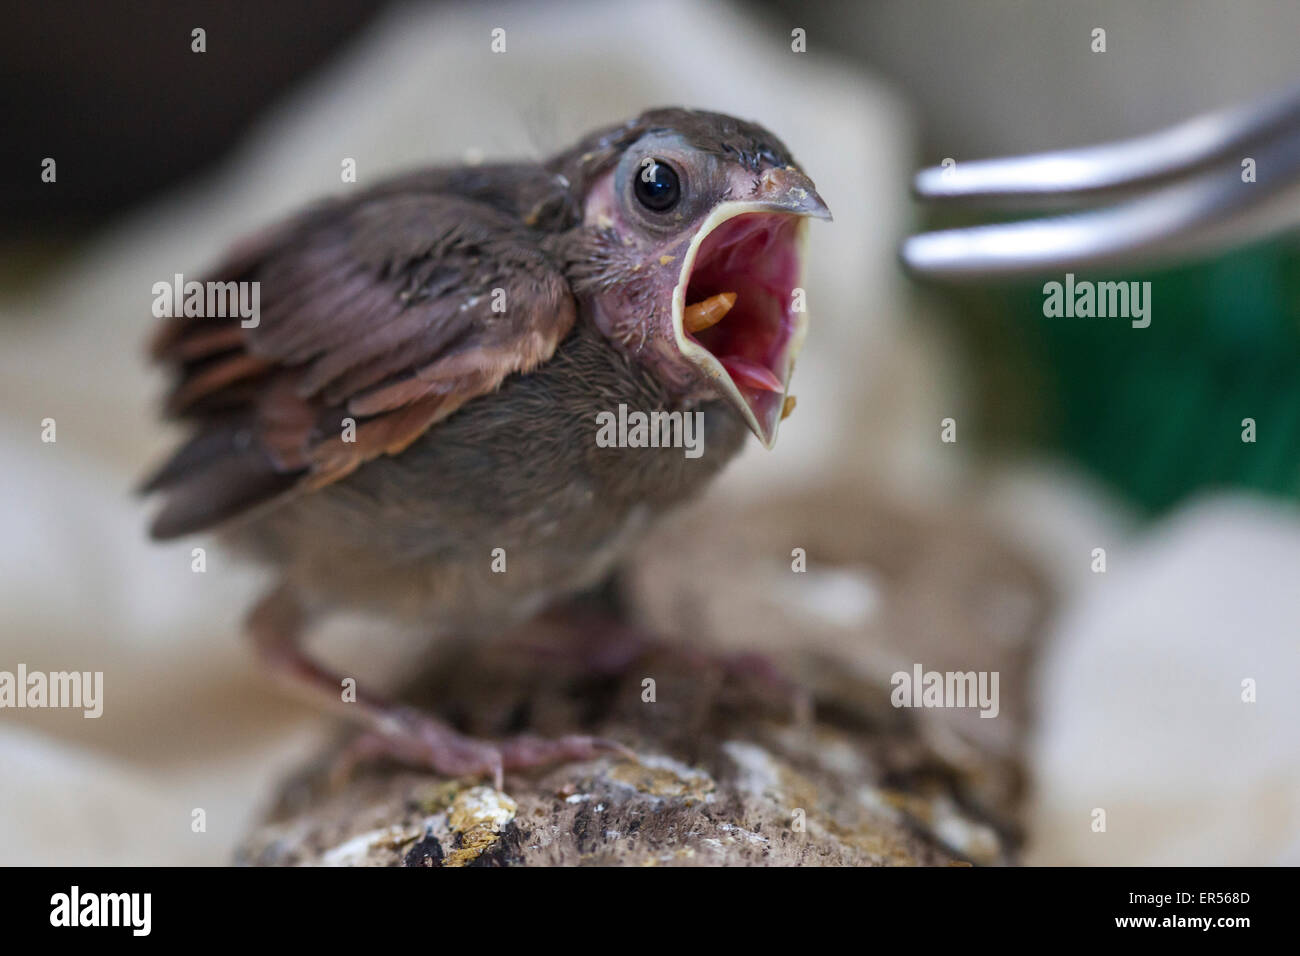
693 227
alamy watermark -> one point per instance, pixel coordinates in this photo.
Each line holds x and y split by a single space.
208 300
1103 300
129 910
922 688
55 689
637 429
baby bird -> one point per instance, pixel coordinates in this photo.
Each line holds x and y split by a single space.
416 421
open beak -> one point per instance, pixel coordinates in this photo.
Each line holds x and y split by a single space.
738 310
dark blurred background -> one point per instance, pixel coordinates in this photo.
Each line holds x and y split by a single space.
116 94
113 90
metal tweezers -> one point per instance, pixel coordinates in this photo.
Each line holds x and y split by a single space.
1181 195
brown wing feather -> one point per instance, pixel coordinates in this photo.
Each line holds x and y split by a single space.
385 311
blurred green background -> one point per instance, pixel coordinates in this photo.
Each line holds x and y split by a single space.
1156 412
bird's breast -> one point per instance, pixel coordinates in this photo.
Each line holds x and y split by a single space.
518 500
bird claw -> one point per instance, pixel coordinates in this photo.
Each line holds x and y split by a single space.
420 740
520 753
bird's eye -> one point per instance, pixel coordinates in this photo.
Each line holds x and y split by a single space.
657 187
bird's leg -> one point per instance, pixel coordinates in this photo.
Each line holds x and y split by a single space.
404 734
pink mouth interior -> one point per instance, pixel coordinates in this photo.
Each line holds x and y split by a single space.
754 255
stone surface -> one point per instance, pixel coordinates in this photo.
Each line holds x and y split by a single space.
736 764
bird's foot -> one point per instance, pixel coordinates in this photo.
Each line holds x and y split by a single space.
604 645
418 739
795 700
